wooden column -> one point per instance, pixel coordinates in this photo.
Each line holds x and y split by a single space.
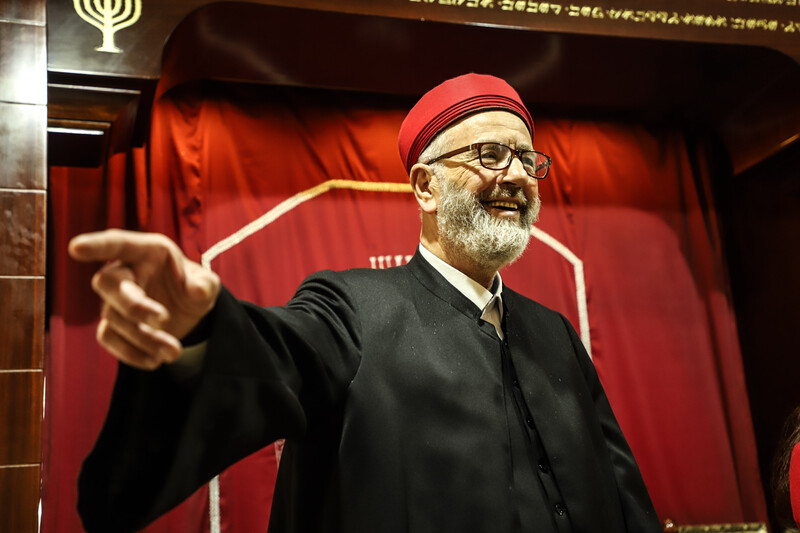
23 183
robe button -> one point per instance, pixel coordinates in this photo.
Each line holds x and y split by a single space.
544 468
560 509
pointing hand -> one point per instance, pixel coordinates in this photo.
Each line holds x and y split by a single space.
152 294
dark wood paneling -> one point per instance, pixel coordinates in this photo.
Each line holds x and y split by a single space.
23 150
21 323
21 418
23 122
31 11
86 124
694 83
73 41
19 499
23 63
77 143
22 233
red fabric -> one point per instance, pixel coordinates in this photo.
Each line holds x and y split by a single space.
794 483
627 201
79 373
449 101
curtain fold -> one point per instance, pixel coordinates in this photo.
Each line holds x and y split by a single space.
269 184
78 373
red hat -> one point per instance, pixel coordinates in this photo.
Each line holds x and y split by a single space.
450 101
794 482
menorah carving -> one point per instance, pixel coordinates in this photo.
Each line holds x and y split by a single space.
109 16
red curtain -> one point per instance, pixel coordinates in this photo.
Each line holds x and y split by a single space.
268 184
79 374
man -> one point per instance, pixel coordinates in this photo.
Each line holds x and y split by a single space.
423 398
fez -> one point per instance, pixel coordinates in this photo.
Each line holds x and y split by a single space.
452 100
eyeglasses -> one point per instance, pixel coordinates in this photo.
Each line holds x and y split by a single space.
496 156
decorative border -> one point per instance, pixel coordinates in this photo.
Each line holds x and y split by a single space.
580 283
290 203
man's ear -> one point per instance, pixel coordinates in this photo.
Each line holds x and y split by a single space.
425 185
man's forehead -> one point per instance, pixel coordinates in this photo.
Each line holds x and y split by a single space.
490 125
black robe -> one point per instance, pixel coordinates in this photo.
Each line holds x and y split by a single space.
402 410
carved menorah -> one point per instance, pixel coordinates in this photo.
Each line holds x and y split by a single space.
109 16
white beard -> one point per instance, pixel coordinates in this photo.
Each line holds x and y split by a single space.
470 231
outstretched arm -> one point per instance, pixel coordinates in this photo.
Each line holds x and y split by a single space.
152 294
267 373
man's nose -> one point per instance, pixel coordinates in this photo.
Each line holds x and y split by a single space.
515 173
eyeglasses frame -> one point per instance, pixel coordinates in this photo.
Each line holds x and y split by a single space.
515 153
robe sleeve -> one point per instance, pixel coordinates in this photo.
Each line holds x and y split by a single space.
267 374
637 507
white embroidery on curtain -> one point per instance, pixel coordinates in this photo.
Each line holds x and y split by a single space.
580 283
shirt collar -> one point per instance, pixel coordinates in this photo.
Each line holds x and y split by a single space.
474 291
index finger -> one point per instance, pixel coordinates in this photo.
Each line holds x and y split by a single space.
126 246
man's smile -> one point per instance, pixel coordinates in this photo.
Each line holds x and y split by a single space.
505 205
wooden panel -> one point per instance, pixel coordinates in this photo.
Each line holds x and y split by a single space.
22 233
19 499
74 42
23 119
21 418
77 143
21 323
24 10
23 63
656 79
23 150
88 123
99 104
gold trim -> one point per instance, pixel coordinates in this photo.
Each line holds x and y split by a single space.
754 527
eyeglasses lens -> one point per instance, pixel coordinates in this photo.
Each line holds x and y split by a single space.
498 157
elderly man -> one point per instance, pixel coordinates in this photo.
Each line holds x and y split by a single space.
422 398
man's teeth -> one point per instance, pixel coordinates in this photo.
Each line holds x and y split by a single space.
503 205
